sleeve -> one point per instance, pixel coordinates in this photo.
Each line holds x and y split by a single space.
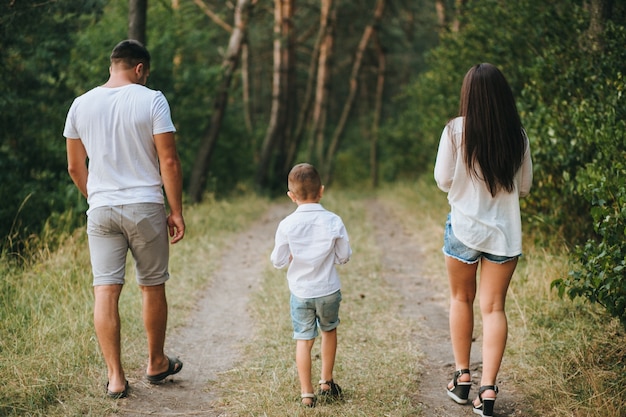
69 130
161 115
526 179
343 251
281 252
446 161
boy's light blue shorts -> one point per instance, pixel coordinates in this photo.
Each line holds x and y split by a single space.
454 248
309 313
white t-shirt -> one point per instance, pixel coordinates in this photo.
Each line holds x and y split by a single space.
116 126
317 240
479 220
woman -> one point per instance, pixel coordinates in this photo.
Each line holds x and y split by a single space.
484 165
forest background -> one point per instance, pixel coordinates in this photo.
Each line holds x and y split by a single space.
362 89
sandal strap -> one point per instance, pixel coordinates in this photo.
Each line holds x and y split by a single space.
307 395
328 382
457 374
484 388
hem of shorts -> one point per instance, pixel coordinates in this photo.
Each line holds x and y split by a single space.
511 258
314 337
465 261
123 282
304 337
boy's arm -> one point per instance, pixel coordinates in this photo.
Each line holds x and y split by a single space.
343 251
281 255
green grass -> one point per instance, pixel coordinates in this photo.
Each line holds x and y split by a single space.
50 359
566 358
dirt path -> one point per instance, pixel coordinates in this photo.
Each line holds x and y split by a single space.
210 343
424 301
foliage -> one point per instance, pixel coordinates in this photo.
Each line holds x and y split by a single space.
507 34
569 87
33 99
600 267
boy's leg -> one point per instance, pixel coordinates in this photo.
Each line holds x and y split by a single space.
303 363
329 351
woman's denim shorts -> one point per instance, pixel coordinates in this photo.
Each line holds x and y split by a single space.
308 313
454 248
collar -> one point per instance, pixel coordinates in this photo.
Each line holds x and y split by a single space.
310 207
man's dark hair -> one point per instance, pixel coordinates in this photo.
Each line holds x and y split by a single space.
130 52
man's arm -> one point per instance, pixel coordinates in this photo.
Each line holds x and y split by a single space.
171 174
77 163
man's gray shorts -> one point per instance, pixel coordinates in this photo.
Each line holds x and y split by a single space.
113 230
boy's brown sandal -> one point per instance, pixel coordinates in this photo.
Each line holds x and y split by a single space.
305 399
334 390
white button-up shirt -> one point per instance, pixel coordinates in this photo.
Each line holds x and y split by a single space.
313 239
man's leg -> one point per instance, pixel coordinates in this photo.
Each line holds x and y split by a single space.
107 323
155 322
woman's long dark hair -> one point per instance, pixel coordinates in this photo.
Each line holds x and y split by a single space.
493 137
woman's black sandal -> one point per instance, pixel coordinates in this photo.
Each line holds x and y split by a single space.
485 408
460 391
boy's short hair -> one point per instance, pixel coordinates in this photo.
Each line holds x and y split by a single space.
130 53
305 182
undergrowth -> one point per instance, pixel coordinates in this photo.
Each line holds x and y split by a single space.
565 358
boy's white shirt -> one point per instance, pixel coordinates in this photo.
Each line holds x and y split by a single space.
315 239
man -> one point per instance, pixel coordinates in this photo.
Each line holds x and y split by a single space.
125 131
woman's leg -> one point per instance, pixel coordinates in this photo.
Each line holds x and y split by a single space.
462 277
494 283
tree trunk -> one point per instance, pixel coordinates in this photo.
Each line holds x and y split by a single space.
380 85
290 92
356 67
305 108
459 6
321 94
245 86
440 7
203 157
279 127
599 12
137 12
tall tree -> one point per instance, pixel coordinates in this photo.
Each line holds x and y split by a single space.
137 16
320 108
305 107
231 59
368 33
279 133
599 13
378 108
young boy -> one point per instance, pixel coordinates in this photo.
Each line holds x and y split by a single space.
311 241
